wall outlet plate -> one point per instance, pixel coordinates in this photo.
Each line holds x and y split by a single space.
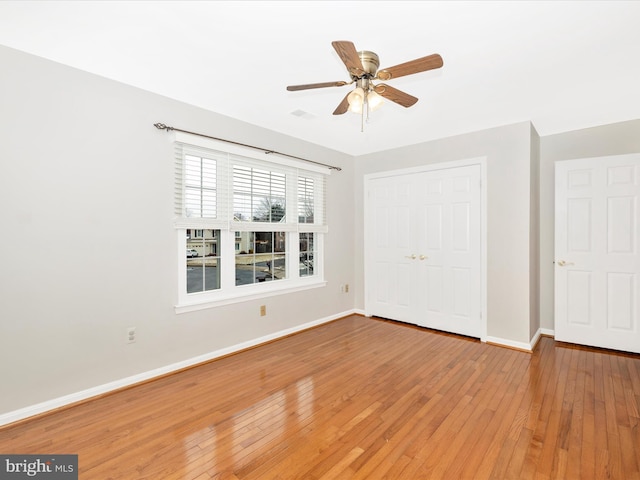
131 335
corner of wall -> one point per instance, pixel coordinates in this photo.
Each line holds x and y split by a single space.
534 234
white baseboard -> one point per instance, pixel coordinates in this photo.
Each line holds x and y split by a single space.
509 343
548 332
528 347
65 400
534 341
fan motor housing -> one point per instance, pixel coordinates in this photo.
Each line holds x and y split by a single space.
370 62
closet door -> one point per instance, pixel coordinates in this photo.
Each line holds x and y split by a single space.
390 237
447 220
423 261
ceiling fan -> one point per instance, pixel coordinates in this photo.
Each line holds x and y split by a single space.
363 70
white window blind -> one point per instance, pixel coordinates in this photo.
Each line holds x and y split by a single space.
222 190
306 200
200 187
259 195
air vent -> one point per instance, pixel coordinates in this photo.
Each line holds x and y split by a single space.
303 114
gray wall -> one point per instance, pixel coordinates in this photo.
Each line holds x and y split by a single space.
614 139
88 245
508 151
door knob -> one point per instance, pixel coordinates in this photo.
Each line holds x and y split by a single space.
412 256
423 257
562 263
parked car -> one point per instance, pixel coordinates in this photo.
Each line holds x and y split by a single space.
192 253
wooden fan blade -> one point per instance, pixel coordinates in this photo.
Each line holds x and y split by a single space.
414 66
349 56
395 95
293 88
343 107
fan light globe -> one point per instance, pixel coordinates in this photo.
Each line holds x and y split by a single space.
356 99
374 100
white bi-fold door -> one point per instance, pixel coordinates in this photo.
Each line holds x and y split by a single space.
597 252
423 248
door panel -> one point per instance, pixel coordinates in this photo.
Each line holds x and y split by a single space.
579 289
620 220
579 225
620 301
598 252
461 292
434 292
460 241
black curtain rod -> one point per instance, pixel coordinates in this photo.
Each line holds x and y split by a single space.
162 126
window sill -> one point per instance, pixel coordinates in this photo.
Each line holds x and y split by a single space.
218 299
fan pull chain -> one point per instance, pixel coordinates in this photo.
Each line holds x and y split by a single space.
364 104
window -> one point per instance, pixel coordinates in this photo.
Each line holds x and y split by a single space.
307 254
203 262
265 259
247 228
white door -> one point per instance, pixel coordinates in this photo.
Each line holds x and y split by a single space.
423 235
448 248
597 252
390 245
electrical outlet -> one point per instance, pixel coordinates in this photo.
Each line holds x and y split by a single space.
131 335
263 310
346 288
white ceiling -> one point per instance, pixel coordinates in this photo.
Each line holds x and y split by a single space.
562 65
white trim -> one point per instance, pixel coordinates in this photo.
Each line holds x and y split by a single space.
265 290
39 408
484 247
509 343
429 167
548 332
225 147
534 341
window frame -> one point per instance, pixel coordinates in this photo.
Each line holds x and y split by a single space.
229 292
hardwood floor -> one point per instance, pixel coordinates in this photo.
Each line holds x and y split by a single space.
362 398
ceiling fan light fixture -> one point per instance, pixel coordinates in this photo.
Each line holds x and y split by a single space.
374 100
363 69
356 99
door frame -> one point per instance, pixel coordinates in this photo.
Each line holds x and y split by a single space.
482 162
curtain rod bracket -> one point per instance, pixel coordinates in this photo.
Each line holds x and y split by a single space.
162 126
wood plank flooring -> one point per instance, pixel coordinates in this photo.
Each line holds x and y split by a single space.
362 398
